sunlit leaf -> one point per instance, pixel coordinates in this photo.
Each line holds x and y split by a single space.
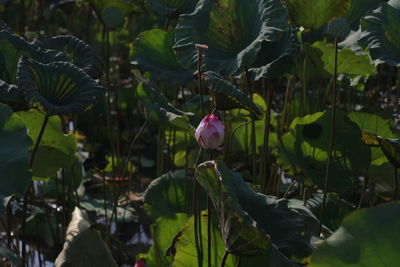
58 87
312 14
381 34
152 51
233 30
367 237
56 150
78 52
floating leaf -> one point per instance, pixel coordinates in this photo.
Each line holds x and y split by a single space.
79 53
15 174
84 245
56 150
312 14
172 8
348 62
58 87
228 95
152 51
245 215
160 110
381 34
233 30
367 237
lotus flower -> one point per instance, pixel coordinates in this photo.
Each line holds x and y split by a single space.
140 263
210 133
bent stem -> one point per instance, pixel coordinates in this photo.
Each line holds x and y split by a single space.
226 254
332 137
38 140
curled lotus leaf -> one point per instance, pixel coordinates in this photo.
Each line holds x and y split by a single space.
79 53
381 35
233 30
57 87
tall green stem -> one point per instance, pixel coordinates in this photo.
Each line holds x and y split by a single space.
332 136
252 130
395 184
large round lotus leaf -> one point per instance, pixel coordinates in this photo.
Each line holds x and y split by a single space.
367 237
312 14
246 216
15 174
233 30
56 150
152 51
381 34
275 58
11 94
303 152
172 8
58 87
79 53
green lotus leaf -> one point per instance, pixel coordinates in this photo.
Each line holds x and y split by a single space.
347 63
160 110
251 222
186 253
56 150
303 152
58 87
228 95
15 174
233 30
312 14
381 34
367 237
275 58
172 8
169 194
79 53
123 214
11 94
358 9
13 47
335 209
152 51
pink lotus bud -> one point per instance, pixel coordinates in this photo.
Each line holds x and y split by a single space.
210 133
140 263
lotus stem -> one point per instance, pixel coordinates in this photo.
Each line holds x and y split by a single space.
38 140
264 157
395 184
196 213
226 254
332 136
252 129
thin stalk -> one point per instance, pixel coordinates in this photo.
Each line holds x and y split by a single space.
253 129
289 188
226 254
209 210
285 104
196 213
38 140
395 184
200 80
105 200
332 136
265 156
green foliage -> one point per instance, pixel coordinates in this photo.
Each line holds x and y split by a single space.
57 87
233 30
381 35
172 8
15 174
304 150
368 237
56 150
159 110
152 51
312 14
124 214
